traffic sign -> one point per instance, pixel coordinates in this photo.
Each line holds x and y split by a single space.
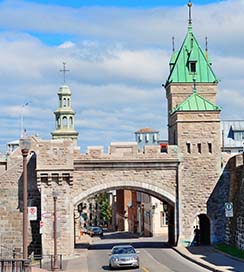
32 213
228 209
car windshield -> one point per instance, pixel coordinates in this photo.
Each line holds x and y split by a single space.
123 250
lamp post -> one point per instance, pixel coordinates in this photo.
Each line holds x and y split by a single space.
25 147
55 263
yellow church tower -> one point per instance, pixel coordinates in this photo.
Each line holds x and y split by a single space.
64 115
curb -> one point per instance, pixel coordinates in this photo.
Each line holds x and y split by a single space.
228 255
186 256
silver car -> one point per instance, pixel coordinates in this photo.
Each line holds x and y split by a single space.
123 256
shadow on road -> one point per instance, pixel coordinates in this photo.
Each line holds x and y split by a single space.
142 244
110 239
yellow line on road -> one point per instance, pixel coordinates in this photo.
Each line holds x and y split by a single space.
145 269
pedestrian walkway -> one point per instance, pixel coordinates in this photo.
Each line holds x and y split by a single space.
210 258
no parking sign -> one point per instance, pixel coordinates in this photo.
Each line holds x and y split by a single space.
32 213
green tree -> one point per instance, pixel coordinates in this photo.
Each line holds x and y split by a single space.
104 207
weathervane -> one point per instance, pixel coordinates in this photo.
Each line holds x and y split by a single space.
190 19
64 70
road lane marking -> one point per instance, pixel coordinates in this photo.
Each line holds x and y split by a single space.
145 269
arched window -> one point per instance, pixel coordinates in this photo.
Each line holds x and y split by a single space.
65 123
58 122
64 102
71 122
68 104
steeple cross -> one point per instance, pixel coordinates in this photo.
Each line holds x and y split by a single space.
64 70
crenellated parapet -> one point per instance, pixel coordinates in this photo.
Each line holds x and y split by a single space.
129 151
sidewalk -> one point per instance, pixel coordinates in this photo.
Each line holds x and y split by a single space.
210 258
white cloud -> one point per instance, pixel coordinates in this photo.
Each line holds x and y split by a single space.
118 59
67 44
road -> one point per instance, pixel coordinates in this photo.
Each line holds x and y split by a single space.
155 255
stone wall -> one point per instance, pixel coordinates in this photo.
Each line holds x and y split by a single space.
11 206
235 225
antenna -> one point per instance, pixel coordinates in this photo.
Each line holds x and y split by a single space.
64 70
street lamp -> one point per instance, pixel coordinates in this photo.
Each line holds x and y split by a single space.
24 144
55 263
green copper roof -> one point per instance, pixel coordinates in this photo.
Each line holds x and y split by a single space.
195 102
180 63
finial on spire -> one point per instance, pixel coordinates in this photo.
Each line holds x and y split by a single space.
64 70
190 19
173 44
194 85
206 48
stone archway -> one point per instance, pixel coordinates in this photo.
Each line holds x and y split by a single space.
135 185
149 189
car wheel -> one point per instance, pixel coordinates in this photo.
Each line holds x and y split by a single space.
110 267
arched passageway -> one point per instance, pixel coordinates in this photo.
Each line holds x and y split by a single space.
134 215
204 224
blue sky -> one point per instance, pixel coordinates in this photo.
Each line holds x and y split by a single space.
118 57
128 3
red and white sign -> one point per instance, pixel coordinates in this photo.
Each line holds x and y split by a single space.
32 213
41 227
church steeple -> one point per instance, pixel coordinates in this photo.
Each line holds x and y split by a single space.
190 61
64 115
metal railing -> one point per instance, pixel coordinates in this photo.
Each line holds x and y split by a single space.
15 265
47 261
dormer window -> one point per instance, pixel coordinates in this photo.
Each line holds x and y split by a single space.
192 66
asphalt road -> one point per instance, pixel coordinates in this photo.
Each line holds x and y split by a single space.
155 255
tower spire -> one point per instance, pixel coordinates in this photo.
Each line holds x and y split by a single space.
190 17
206 48
173 44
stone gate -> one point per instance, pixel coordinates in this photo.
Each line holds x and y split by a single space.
77 176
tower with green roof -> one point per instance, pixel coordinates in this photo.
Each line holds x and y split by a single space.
190 65
64 115
194 126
